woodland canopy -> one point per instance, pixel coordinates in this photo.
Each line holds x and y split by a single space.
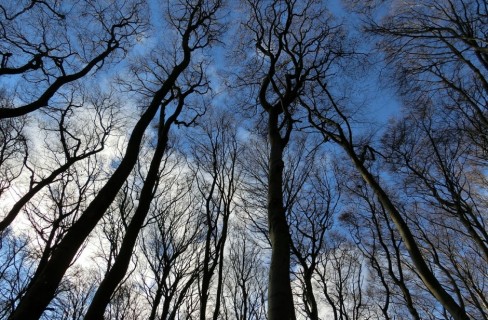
248 159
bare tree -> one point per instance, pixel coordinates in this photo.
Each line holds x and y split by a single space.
191 22
215 152
122 260
335 125
16 267
436 169
113 225
75 295
170 244
53 44
311 210
13 147
193 16
77 142
244 295
438 50
341 280
292 44
380 243
126 303
193 229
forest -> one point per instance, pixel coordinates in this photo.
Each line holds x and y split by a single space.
243 159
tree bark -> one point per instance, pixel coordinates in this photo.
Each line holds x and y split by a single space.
280 297
117 272
427 276
43 289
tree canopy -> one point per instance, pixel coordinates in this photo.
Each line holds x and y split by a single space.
251 159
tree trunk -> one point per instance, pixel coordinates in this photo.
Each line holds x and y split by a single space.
427 276
43 289
117 272
280 297
310 297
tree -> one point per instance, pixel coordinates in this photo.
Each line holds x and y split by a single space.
197 15
121 263
78 143
191 23
378 240
440 176
212 159
442 49
52 45
340 131
341 280
13 147
311 208
75 295
170 244
244 295
14 272
214 155
290 39
438 54
446 85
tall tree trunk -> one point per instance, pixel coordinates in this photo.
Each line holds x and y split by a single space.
427 276
117 272
220 274
156 302
208 261
43 289
309 294
280 297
